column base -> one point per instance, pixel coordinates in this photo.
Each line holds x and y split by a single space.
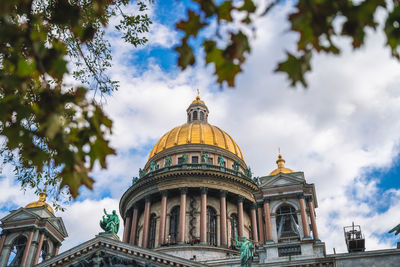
317 240
203 243
307 238
181 243
269 241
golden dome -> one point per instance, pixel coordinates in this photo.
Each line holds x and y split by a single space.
198 101
197 132
41 202
281 167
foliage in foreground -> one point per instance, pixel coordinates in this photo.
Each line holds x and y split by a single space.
54 133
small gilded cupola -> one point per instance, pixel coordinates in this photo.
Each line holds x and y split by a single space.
197 111
281 167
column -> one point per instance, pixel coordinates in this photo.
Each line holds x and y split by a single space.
57 249
260 222
240 217
303 214
163 217
39 248
27 247
254 223
268 227
132 237
224 233
2 241
127 225
203 217
146 222
312 217
182 217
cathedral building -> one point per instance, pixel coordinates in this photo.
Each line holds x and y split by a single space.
193 200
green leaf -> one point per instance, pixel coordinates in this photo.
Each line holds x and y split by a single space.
296 67
186 56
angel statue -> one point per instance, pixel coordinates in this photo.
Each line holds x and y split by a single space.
110 224
246 251
397 229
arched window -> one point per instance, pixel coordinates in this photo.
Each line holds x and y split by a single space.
211 226
174 225
17 251
152 232
287 223
234 226
201 115
44 252
194 115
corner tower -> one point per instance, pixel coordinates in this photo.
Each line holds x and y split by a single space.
195 192
286 216
31 234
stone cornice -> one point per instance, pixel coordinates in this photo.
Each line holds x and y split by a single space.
173 179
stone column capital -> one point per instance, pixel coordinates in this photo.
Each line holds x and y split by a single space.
300 196
267 200
203 190
253 206
309 198
240 199
183 190
223 193
147 198
260 204
164 193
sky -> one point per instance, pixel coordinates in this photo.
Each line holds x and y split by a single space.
342 131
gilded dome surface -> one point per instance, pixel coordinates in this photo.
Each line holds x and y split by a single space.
281 167
197 132
40 203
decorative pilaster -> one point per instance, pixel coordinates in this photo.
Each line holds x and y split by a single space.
127 225
240 216
268 227
312 217
146 222
224 233
2 241
182 217
254 222
203 217
57 249
39 248
303 214
260 222
27 248
132 238
163 217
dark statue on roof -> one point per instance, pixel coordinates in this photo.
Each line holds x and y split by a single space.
246 251
397 229
110 224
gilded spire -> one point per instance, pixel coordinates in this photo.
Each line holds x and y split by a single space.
281 166
41 202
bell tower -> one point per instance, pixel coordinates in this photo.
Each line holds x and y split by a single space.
31 234
286 216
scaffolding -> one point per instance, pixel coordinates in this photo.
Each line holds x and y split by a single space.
355 240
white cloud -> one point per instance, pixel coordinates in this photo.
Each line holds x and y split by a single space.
345 121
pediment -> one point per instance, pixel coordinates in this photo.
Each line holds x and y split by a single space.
59 225
282 179
103 251
19 214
